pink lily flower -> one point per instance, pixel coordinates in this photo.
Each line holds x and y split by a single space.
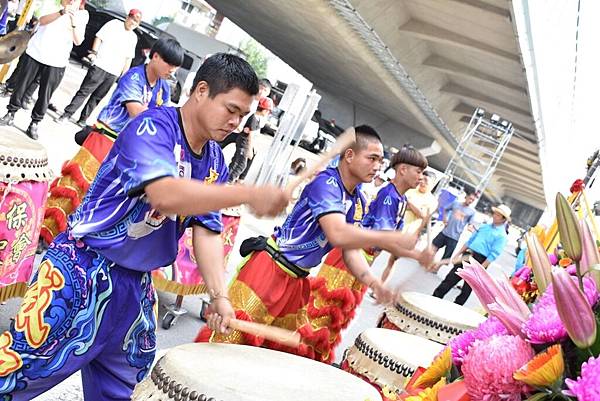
511 319
573 309
483 285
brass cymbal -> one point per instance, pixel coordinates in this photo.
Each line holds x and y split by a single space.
13 45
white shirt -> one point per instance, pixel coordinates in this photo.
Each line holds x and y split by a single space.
118 45
52 43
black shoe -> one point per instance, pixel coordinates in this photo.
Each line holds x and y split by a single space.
8 119
52 107
81 123
32 130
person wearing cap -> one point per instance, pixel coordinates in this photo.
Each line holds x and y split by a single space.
243 143
111 55
485 245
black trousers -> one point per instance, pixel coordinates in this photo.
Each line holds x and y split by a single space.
11 82
96 85
50 78
452 279
443 241
229 139
238 164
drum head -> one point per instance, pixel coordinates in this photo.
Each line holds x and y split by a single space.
389 357
443 310
22 158
413 350
241 373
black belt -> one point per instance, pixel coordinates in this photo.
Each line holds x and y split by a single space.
260 244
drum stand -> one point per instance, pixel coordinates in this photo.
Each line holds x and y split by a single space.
174 311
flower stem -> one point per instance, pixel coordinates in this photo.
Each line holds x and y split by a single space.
579 276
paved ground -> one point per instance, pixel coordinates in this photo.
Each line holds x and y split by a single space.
58 139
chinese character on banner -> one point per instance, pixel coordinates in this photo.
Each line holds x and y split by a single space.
19 246
17 216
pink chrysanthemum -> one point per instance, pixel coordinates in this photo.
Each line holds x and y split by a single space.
489 367
544 325
587 386
462 343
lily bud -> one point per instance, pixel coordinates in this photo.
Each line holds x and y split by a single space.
568 228
573 309
542 270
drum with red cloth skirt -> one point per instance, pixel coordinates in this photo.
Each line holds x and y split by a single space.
24 176
182 277
387 359
335 296
429 317
77 174
230 372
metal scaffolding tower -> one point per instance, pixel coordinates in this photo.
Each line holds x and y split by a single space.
478 152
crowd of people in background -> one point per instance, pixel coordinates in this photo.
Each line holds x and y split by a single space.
137 146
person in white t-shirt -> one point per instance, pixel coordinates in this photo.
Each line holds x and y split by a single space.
61 26
111 53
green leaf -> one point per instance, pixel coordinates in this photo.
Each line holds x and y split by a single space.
538 397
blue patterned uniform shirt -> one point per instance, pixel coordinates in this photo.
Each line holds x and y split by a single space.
386 212
133 86
301 239
115 218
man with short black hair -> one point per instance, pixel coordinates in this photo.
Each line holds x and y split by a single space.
388 209
111 55
272 286
91 306
141 87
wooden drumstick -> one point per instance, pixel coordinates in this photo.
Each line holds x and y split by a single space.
343 141
271 333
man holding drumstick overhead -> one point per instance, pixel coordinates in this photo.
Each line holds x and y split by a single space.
91 305
272 285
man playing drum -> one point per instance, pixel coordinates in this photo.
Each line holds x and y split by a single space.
91 305
272 285
335 294
141 87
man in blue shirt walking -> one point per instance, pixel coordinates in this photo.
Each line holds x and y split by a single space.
456 217
485 246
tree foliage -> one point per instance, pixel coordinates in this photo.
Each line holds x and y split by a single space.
165 19
256 56
99 3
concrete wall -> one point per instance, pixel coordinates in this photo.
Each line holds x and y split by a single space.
345 112
523 215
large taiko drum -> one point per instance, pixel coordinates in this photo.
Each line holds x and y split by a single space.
24 176
429 317
227 372
388 358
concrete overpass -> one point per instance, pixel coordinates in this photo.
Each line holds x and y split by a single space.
414 69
